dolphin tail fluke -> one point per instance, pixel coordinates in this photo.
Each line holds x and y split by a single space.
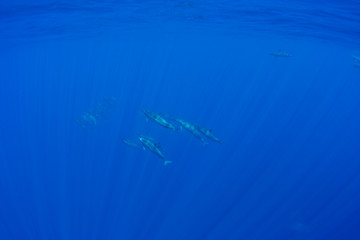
167 162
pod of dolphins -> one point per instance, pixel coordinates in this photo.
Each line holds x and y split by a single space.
173 124
89 120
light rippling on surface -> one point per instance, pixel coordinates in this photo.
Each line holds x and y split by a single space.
322 19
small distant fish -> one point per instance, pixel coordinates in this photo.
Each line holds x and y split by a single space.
208 133
357 65
158 118
192 129
280 53
131 144
154 147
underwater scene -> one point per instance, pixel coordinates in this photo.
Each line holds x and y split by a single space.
180 120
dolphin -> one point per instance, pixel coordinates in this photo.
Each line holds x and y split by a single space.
89 117
192 129
87 120
356 58
280 53
208 134
154 147
159 119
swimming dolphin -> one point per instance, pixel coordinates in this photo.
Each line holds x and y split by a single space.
159 119
87 120
208 134
357 59
153 146
131 144
90 117
192 129
280 53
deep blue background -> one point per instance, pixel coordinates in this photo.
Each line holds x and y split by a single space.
289 167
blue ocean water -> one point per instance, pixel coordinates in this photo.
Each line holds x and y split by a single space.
77 75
